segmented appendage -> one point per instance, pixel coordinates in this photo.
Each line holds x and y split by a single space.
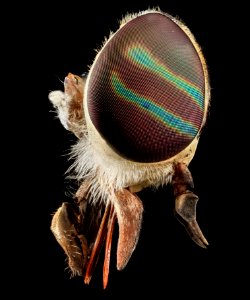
69 105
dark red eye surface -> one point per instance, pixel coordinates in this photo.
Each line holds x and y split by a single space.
146 89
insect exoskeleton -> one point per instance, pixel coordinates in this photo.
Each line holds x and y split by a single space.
145 102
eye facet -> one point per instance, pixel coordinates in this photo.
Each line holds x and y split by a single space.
146 89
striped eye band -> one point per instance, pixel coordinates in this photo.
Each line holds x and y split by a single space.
146 89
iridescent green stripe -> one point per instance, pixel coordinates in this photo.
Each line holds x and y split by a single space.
145 59
167 117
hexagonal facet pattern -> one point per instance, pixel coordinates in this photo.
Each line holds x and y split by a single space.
146 89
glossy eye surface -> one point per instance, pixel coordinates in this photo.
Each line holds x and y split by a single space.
146 89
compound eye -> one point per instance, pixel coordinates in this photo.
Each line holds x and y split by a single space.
146 89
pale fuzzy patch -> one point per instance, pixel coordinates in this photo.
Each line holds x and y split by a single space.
108 175
59 102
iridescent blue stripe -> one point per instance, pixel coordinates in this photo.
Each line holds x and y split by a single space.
145 59
168 118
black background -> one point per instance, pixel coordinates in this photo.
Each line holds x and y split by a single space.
54 39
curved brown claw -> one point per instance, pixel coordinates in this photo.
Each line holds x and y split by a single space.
185 203
185 207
